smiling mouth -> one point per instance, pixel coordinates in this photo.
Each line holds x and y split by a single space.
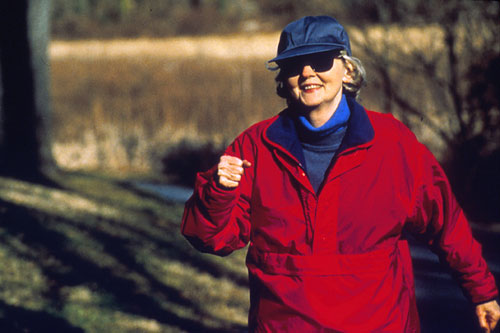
311 87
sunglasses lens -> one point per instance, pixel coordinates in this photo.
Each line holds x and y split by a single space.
322 64
291 67
319 63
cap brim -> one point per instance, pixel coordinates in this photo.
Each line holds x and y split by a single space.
307 49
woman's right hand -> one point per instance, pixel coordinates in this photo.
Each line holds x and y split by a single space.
230 169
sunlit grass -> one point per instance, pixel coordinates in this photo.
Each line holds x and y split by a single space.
22 282
97 254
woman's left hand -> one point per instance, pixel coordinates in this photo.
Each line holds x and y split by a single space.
488 315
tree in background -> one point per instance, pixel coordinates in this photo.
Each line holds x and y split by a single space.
288 10
445 86
25 145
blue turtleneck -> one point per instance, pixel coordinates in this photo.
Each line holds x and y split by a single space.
319 144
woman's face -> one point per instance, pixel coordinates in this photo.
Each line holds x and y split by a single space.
315 81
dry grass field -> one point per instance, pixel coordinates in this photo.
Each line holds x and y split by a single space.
121 105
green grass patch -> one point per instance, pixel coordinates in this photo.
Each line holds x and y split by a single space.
90 253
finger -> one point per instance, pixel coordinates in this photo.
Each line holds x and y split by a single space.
493 321
227 183
230 170
231 160
483 323
229 175
232 165
226 176
225 164
234 169
235 161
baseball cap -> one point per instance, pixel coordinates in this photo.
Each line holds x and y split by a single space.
312 34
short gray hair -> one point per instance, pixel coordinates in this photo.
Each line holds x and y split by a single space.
357 73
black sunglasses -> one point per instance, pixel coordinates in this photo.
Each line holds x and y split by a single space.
319 62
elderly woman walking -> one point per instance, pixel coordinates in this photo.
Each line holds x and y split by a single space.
322 192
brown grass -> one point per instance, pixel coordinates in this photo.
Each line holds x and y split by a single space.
228 47
122 104
126 112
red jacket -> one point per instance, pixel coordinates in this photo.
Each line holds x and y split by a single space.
335 261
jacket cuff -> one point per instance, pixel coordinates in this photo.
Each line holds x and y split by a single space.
214 195
489 300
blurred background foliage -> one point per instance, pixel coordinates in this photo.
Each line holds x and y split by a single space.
133 18
434 65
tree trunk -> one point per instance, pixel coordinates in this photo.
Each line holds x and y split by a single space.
25 108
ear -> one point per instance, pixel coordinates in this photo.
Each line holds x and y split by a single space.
348 73
347 77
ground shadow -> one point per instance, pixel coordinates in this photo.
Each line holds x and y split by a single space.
49 246
14 319
172 251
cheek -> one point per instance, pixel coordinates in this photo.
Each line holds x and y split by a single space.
338 72
292 84
335 81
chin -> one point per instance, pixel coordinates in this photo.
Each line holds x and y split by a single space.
310 105
301 107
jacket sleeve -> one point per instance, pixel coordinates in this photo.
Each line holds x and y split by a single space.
437 218
217 220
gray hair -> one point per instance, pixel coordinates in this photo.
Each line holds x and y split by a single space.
355 70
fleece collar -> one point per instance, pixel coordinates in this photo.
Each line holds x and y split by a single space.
321 136
282 131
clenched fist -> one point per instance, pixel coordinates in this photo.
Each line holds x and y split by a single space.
230 169
488 314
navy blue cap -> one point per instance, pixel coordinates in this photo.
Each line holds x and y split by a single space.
312 34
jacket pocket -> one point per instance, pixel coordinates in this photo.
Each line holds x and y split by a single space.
348 293
331 264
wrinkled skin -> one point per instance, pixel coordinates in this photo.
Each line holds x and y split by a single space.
488 315
230 169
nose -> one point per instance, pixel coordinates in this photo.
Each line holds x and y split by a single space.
307 70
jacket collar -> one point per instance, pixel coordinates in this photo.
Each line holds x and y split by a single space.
282 131
359 128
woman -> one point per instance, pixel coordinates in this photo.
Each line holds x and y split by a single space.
322 192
